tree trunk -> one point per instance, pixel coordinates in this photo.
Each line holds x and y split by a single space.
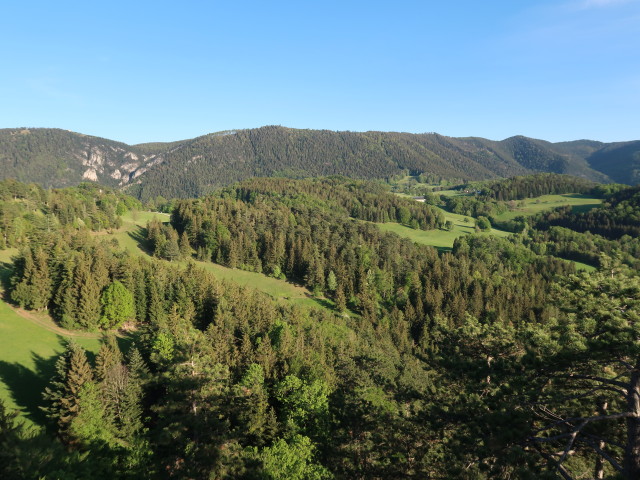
632 450
602 410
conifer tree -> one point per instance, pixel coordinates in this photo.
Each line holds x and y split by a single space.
88 312
34 288
65 298
63 393
91 424
185 247
137 366
109 356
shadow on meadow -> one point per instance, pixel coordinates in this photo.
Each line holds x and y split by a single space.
6 269
139 235
26 385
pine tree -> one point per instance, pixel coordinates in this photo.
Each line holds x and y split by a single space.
88 312
185 247
63 393
137 367
91 423
109 357
56 389
33 291
341 301
170 250
332 282
129 418
65 298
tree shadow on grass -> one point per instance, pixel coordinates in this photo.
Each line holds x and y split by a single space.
139 235
6 269
582 208
323 302
26 385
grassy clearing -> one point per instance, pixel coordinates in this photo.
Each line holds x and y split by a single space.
28 352
531 206
440 239
583 266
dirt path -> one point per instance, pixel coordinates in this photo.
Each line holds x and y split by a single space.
52 327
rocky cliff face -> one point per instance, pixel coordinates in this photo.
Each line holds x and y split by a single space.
58 158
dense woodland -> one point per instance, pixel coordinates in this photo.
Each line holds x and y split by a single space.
493 360
28 212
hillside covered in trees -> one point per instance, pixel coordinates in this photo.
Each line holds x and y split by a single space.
189 168
492 360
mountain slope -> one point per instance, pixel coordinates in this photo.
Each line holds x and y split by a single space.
53 157
620 161
205 163
57 158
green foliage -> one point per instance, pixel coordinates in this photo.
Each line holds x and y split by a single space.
305 405
483 223
33 291
219 160
117 305
163 348
292 460
91 424
29 214
618 216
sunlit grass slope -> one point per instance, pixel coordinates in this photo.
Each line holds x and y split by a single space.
28 352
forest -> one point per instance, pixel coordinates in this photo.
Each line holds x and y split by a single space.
496 358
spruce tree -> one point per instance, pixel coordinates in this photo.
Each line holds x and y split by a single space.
33 290
109 356
185 247
63 393
88 312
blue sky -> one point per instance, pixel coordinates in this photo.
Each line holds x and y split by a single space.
142 71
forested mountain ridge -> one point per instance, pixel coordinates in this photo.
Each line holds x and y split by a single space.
59 158
53 157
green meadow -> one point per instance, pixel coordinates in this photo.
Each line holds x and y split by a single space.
440 239
443 239
531 206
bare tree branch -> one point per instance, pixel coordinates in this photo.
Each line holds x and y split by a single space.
614 416
604 455
609 381
561 470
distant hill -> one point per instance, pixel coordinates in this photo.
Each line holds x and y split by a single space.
53 157
620 161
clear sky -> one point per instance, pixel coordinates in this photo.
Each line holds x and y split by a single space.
140 71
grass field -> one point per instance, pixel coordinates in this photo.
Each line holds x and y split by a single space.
583 266
531 206
440 239
28 351
443 239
